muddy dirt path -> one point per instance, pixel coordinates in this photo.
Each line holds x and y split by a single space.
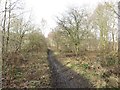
64 77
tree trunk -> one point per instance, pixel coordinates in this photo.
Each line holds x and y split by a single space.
3 31
119 31
8 30
113 39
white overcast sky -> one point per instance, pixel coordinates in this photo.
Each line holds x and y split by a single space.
48 9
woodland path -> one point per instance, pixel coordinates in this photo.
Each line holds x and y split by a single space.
64 77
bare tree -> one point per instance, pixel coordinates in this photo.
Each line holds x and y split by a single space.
75 24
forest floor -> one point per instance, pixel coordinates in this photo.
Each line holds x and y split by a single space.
26 70
39 70
89 66
64 77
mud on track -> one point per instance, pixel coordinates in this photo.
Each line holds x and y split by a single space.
64 77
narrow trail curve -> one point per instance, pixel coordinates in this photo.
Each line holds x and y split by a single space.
64 77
